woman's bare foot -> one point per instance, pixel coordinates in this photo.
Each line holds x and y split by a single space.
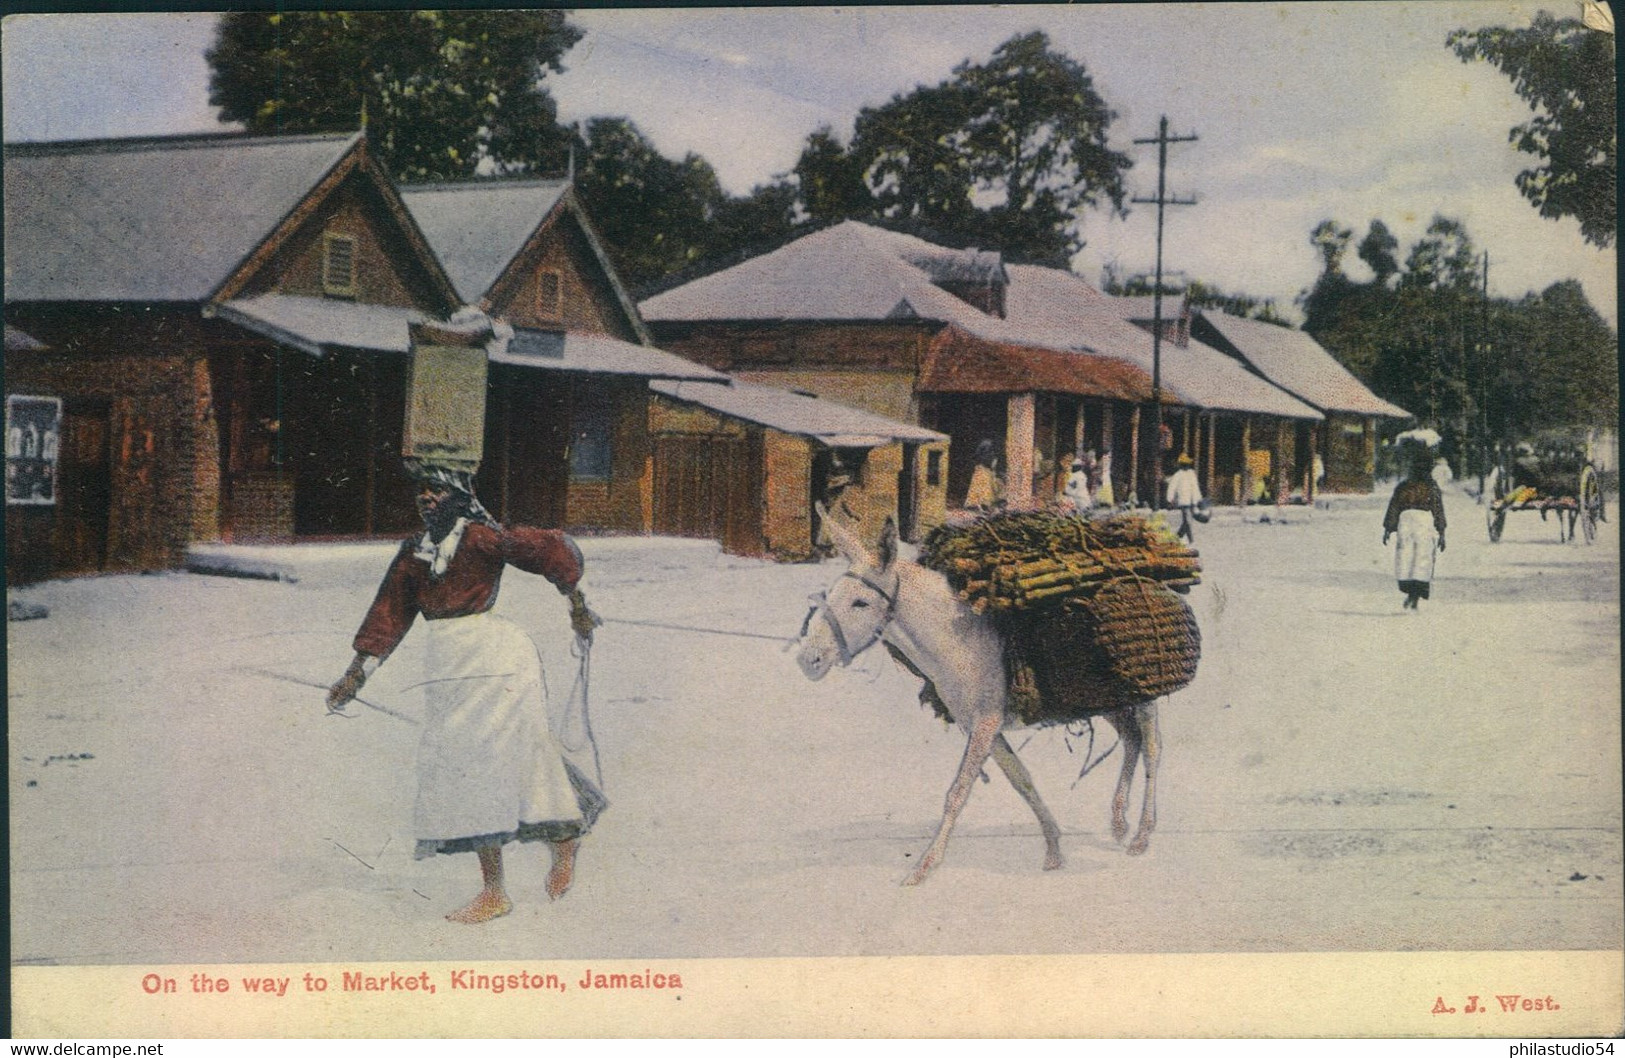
564 865
489 904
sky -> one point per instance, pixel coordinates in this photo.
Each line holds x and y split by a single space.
1302 112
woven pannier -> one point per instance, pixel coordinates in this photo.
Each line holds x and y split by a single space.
1148 634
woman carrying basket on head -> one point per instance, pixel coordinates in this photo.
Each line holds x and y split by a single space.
490 771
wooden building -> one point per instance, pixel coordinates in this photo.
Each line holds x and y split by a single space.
224 324
1347 441
225 319
745 464
567 415
961 343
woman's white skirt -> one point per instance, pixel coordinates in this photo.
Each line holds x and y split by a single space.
489 768
1418 542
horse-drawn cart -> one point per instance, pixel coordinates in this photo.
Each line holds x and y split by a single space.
1560 480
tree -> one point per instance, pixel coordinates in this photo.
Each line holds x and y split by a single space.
654 213
1565 72
1008 153
1378 250
829 181
1332 243
443 93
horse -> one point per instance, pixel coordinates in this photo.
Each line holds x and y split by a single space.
882 598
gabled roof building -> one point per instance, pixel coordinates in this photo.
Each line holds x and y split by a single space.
212 307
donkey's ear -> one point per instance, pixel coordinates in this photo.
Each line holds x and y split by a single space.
845 540
888 543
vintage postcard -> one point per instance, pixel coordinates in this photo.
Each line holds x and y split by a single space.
1022 520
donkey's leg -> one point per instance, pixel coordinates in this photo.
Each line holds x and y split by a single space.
1127 725
978 747
1017 773
1152 742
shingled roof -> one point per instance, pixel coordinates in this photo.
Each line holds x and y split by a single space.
165 219
1294 361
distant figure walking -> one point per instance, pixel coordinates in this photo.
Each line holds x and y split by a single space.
1184 492
983 493
1416 514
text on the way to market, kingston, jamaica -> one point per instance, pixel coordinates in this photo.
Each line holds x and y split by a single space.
425 982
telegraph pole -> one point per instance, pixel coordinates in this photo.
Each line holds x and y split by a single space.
1162 140
1484 378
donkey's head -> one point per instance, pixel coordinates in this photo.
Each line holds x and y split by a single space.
849 617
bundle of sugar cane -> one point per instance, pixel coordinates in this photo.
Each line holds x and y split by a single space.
1014 561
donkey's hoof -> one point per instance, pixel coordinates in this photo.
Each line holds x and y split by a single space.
1053 862
1138 846
1119 831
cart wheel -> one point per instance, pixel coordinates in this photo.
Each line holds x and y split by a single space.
1496 518
1590 503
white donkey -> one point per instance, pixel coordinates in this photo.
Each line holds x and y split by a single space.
881 598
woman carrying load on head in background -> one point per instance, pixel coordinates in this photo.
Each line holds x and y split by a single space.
489 769
1416 514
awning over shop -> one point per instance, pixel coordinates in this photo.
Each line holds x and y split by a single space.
829 423
960 362
320 325
597 354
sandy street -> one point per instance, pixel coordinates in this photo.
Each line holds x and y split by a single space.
1343 775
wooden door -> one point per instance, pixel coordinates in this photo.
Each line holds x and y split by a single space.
85 488
707 486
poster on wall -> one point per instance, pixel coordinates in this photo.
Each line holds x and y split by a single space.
33 431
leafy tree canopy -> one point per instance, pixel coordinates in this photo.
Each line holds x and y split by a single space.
442 92
1480 370
1565 72
1007 153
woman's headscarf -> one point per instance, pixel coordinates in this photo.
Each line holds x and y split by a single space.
443 526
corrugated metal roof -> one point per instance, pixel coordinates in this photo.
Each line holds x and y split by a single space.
478 227
318 325
1297 363
836 425
597 354
156 219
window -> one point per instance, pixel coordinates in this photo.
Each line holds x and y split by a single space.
933 466
591 454
338 265
549 295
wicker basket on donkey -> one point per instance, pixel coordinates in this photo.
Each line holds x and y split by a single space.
1090 611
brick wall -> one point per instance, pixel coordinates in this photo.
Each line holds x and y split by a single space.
144 369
